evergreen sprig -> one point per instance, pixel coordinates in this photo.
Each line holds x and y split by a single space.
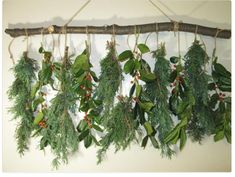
120 127
19 92
158 93
195 61
109 81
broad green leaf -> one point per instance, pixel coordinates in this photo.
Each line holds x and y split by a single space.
227 100
127 54
148 128
94 76
38 118
138 90
34 90
214 100
83 135
174 59
154 142
97 128
173 75
146 106
219 136
225 88
221 70
81 62
143 48
82 125
170 136
87 141
137 65
222 107
147 76
41 50
181 107
228 136
129 66
81 78
95 140
176 138
145 141
132 90
183 138
211 86
36 102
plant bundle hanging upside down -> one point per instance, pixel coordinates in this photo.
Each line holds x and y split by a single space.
20 92
220 101
195 62
109 81
60 132
158 93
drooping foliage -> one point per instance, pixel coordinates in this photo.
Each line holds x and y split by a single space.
20 93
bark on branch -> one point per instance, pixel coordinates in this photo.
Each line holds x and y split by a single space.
122 30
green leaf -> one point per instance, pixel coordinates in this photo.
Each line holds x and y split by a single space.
36 102
38 118
132 90
145 141
219 136
173 75
87 141
174 59
138 90
95 140
97 128
171 135
148 128
137 65
147 76
143 48
228 136
129 66
214 100
82 126
81 78
41 50
225 88
146 106
154 142
125 55
181 107
220 69
227 100
222 107
81 62
95 78
83 135
34 90
176 138
211 86
183 138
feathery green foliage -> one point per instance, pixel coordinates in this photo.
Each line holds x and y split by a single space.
109 81
19 92
60 132
195 61
158 93
120 127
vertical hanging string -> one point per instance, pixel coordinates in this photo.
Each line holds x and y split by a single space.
10 53
137 33
196 29
157 34
27 39
88 42
176 29
113 35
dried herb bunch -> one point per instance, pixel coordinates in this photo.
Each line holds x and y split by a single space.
158 93
109 81
20 93
195 62
60 132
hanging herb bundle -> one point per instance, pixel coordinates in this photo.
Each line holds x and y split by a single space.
220 102
60 132
109 81
139 69
83 83
120 127
158 93
195 61
181 103
20 93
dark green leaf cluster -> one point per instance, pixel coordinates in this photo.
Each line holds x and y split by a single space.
120 127
195 62
19 92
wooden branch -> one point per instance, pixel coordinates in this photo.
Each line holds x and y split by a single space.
122 30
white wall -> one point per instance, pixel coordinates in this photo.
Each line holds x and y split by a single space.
209 156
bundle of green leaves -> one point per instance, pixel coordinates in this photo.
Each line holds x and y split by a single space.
195 61
181 103
20 93
158 93
109 81
220 100
60 132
